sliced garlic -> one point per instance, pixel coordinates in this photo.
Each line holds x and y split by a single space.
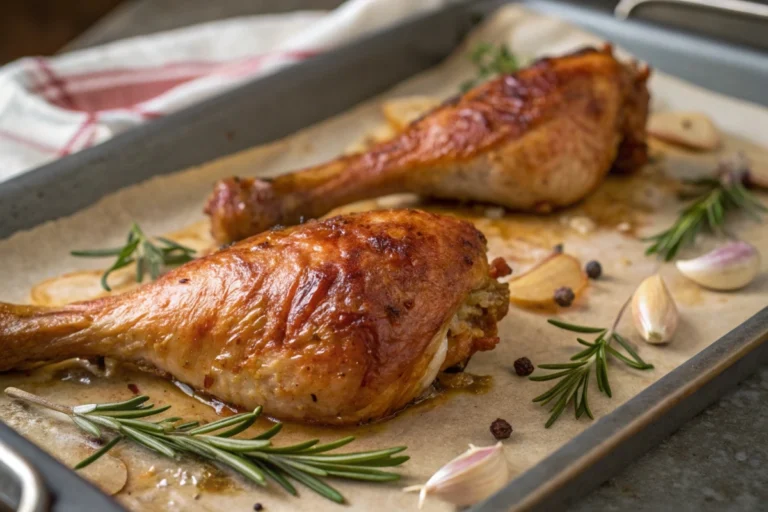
729 267
400 112
653 311
689 129
469 478
536 287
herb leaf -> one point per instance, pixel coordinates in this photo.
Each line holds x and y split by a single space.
489 61
256 459
573 377
713 199
150 257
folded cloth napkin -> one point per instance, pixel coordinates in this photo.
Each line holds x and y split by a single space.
51 107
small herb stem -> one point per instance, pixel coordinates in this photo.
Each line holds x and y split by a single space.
20 394
254 458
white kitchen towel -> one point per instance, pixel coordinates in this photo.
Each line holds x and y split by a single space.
51 107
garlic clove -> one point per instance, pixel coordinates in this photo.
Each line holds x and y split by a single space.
469 478
729 267
654 311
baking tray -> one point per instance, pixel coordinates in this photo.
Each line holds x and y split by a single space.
282 104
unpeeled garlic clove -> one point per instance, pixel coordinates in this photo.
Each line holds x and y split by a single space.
654 311
469 478
729 267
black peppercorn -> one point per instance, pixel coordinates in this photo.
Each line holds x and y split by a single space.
501 429
523 367
258 506
564 296
594 269
558 249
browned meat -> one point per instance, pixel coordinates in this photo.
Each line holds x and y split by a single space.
338 321
535 140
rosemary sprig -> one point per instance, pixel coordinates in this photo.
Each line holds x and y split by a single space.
573 376
255 458
713 199
150 258
490 61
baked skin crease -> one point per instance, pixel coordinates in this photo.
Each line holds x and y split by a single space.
536 140
331 322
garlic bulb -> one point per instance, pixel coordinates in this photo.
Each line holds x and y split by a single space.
469 478
730 266
654 311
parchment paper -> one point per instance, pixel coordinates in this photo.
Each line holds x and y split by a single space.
440 429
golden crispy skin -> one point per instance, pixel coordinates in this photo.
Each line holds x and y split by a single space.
338 321
535 140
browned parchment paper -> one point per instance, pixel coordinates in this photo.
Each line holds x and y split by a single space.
439 429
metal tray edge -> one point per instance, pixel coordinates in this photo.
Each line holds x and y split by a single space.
634 427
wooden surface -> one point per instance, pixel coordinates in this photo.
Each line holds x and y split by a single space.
41 27
718 461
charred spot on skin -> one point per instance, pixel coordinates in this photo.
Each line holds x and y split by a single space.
134 388
468 260
183 280
314 397
392 312
208 381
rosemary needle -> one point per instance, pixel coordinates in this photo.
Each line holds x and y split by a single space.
573 376
150 258
256 459
489 61
713 199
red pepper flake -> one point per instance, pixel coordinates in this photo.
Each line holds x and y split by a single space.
499 268
134 388
208 381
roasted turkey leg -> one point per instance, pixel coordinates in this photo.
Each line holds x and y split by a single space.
336 322
535 140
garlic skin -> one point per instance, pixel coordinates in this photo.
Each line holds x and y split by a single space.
729 267
469 478
654 311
